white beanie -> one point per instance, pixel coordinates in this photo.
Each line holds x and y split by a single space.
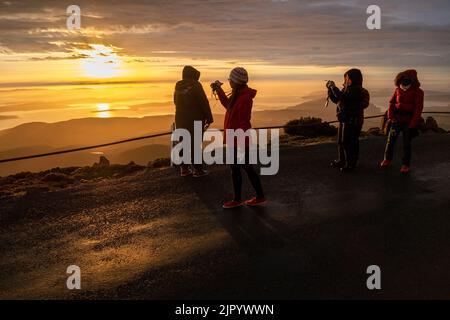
239 75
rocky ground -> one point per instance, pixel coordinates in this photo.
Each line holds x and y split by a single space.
26 183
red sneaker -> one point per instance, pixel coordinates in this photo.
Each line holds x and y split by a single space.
254 202
232 204
184 172
404 169
385 163
199 173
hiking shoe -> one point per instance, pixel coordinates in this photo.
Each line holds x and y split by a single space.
337 164
254 202
385 163
185 172
199 173
404 169
232 204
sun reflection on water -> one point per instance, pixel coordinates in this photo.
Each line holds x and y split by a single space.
103 110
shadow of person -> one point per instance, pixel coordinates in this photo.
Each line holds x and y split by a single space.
251 228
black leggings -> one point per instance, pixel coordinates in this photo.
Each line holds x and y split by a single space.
395 131
236 175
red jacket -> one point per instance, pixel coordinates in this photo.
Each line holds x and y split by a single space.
406 106
239 114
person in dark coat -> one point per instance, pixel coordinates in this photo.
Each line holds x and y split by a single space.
351 102
405 111
191 105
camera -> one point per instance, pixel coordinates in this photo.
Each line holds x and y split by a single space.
216 85
330 84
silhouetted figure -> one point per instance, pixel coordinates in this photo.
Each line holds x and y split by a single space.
238 115
351 102
405 111
191 105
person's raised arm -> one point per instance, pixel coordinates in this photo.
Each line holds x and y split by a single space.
336 94
332 96
350 98
224 100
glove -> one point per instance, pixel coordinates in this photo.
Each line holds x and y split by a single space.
330 84
216 85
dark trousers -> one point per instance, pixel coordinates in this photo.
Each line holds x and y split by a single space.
395 131
348 143
236 175
191 154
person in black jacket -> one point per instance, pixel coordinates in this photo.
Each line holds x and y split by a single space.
191 105
351 102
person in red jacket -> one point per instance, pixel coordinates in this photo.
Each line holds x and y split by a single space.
405 111
238 115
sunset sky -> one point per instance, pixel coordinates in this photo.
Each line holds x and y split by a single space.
128 54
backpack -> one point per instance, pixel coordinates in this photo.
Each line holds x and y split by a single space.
365 99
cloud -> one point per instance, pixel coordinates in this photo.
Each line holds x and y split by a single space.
7 117
70 57
292 32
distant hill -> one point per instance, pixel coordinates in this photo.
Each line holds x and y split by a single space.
79 131
38 137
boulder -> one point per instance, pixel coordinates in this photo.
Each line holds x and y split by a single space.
432 125
159 163
103 162
309 127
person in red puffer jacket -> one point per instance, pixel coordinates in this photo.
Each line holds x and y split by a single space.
238 115
405 111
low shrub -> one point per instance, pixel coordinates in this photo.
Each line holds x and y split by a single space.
310 127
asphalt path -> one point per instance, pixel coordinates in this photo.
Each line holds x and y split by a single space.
155 235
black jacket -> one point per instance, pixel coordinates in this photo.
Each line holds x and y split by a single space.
190 100
351 102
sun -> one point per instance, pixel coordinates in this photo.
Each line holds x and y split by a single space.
103 107
100 61
103 110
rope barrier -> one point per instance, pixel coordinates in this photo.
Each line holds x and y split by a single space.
85 148
48 154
